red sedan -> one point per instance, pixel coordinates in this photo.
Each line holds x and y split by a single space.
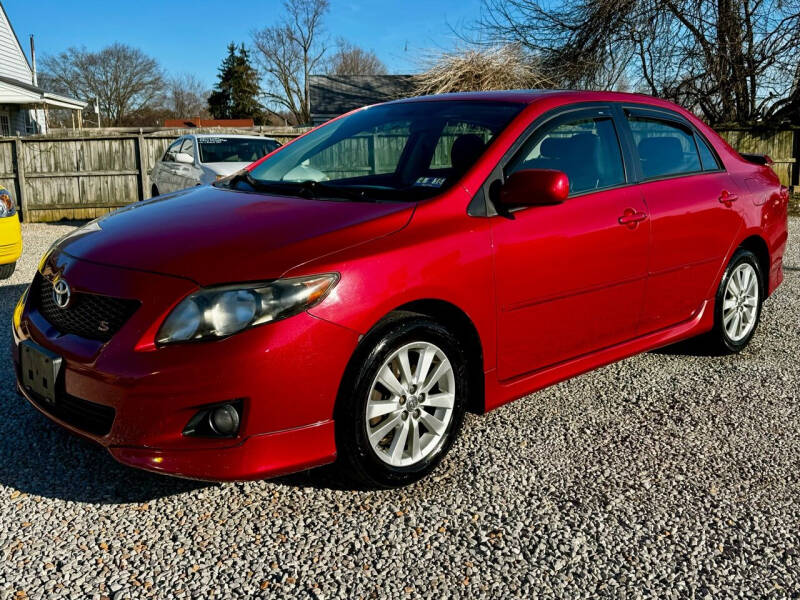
352 294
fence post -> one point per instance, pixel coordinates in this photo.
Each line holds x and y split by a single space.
144 192
371 157
20 177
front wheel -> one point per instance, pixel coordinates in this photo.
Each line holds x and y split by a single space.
403 403
738 303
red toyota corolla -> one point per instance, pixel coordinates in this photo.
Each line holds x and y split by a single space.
355 292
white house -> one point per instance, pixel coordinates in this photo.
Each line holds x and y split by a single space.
23 104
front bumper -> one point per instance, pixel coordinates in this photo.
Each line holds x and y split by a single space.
286 374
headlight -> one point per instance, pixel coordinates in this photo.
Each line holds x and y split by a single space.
219 312
7 207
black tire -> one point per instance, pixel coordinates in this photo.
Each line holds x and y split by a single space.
154 192
7 271
718 339
357 460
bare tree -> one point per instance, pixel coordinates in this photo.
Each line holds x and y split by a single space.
502 68
730 60
288 52
123 79
186 96
349 59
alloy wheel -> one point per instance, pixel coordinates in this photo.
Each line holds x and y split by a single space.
740 302
410 404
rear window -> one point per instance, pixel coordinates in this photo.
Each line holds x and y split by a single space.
227 149
665 148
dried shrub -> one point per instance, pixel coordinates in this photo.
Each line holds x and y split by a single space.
480 69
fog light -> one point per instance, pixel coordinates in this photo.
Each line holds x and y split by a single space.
216 421
224 420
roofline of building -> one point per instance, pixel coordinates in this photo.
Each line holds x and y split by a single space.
16 37
44 95
78 104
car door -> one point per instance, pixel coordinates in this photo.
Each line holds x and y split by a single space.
165 178
187 175
693 225
570 277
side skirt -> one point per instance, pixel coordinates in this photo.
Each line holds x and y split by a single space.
502 392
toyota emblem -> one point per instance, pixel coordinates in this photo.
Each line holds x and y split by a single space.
61 293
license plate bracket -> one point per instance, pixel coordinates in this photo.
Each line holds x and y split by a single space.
40 369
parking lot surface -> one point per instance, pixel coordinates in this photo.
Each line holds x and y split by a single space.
667 475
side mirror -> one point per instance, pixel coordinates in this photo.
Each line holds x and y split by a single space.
184 158
534 187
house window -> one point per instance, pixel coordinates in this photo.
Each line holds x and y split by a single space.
30 124
5 124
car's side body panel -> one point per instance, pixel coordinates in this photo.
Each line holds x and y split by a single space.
691 235
570 273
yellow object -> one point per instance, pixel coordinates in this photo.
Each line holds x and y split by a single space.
17 317
10 233
10 239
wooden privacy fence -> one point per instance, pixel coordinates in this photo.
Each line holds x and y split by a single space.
782 146
70 177
54 178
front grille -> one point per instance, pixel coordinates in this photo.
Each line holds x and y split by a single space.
88 315
81 414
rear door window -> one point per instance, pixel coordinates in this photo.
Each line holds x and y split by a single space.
708 159
665 148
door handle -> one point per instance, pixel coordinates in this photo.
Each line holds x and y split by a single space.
727 198
631 217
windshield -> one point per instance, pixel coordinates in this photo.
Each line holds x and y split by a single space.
230 149
401 151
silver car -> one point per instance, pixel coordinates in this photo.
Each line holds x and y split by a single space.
198 159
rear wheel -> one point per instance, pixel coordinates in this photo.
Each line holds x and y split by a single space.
403 404
738 303
7 271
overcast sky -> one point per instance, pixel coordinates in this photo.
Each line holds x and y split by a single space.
191 36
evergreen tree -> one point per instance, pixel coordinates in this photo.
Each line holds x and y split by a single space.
235 95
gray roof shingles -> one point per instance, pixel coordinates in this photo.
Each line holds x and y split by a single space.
333 95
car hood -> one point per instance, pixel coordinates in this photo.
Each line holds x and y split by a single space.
215 235
226 168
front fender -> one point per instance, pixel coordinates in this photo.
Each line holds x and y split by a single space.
449 261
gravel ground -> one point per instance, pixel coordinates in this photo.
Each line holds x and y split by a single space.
666 475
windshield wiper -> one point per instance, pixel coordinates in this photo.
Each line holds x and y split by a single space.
244 176
317 189
305 189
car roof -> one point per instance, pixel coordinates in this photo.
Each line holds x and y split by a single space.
530 96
